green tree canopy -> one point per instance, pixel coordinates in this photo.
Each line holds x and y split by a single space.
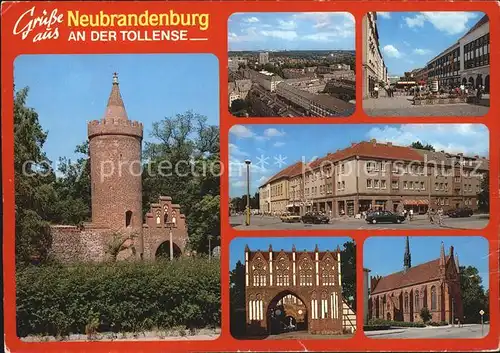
473 295
419 145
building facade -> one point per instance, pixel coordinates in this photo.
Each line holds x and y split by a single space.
263 58
115 146
373 175
310 282
434 285
467 61
374 69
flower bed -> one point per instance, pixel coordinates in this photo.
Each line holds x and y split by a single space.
434 99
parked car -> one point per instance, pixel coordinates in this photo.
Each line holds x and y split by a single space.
315 218
460 212
290 218
384 217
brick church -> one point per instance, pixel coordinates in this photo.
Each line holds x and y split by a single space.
300 290
435 284
115 146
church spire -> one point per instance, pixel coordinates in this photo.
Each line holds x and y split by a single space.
442 256
407 257
115 107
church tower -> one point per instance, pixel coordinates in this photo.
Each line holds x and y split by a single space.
115 145
407 256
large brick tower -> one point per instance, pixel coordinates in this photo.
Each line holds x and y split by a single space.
115 145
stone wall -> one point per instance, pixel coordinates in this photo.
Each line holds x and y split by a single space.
71 244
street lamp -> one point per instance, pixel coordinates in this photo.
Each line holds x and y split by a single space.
293 197
452 312
247 220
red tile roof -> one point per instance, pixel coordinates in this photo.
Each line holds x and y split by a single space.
422 273
289 171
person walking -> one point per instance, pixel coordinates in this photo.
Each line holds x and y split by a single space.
411 214
430 215
440 217
376 91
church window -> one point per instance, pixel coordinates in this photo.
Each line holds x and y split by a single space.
433 298
306 272
327 273
406 302
165 214
158 219
282 276
259 273
417 301
128 218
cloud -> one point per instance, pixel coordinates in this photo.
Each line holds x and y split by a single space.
417 21
391 51
406 43
307 26
470 139
419 51
286 35
279 144
287 25
386 15
252 19
449 22
241 131
273 132
236 151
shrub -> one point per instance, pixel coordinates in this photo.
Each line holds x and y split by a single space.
440 323
118 297
375 327
379 322
425 314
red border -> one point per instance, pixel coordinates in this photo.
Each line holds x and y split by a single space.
217 44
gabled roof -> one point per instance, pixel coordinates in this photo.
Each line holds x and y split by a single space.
422 273
289 171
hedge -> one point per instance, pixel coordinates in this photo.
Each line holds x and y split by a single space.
118 297
377 322
375 327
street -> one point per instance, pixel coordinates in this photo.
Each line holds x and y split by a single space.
419 222
466 331
402 106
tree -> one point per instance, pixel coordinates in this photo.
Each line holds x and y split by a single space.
473 295
73 188
34 181
418 145
484 194
425 314
184 162
239 107
237 299
348 269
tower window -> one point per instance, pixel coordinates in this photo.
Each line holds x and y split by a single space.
128 218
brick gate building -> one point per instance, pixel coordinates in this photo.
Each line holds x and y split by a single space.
306 284
435 285
115 146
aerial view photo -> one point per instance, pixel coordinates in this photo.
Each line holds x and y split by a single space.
291 64
407 74
363 176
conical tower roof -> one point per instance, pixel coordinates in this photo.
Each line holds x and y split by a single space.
115 108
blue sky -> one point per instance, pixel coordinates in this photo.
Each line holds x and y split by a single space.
67 91
237 246
471 251
408 40
291 31
273 147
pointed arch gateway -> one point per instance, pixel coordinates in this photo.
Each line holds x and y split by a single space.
291 290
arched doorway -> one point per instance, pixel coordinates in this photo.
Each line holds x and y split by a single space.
389 318
163 251
286 313
487 84
471 81
479 81
464 81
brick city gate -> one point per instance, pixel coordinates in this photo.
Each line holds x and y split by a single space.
299 288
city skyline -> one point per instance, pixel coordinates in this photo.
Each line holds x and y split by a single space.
471 251
68 91
237 246
404 36
291 31
284 145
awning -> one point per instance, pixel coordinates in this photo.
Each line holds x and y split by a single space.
415 202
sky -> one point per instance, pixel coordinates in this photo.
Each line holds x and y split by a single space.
237 247
291 31
408 40
271 148
67 91
471 251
